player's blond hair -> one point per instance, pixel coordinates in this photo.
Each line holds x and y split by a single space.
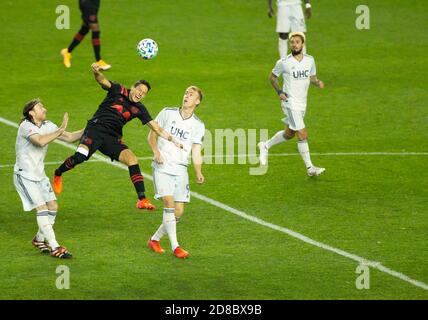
297 34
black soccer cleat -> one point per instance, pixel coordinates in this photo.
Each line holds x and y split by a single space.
41 245
61 253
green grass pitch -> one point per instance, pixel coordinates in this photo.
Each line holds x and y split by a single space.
374 206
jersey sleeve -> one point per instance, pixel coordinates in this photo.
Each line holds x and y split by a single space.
115 88
144 115
313 71
278 69
198 138
27 129
161 118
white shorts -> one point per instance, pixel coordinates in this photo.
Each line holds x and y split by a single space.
293 118
33 193
171 185
290 18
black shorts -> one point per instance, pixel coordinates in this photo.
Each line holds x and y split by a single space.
97 137
89 10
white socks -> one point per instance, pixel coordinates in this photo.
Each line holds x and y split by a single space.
52 215
162 231
159 233
276 139
169 225
304 152
301 145
45 227
39 236
283 48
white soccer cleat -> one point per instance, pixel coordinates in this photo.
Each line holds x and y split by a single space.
315 171
263 153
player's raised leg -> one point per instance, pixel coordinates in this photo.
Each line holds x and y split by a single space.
80 156
128 158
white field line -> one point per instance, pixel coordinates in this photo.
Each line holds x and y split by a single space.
313 154
46 163
278 155
242 214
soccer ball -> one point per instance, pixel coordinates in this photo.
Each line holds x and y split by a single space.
147 48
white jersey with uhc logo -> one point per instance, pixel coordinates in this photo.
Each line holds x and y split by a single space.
296 79
187 131
29 157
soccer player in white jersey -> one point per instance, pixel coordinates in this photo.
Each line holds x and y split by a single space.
298 71
289 18
170 177
31 182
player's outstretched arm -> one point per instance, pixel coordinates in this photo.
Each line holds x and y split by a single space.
99 77
71 136
163 134
152 139
197 160
42 140
316 82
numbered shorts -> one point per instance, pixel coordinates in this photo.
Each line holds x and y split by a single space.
89 9
290 18
293 118
170 185
33 193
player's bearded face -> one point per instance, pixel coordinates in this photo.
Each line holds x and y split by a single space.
190 98
296 45
139 93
